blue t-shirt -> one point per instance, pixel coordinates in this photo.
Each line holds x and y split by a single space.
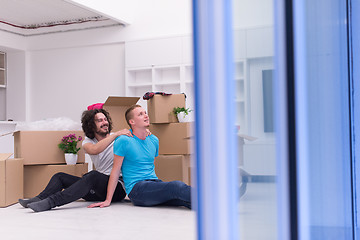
139 155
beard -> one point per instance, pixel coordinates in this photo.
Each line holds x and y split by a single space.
102 132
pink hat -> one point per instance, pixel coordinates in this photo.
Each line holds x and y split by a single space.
95 106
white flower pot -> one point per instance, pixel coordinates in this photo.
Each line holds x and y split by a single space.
182 117
71 158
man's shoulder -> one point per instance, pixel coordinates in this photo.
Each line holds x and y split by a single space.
153 138
123 139
89 140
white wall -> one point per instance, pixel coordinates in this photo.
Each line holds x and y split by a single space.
65 81
253 13
65 72
16 85
9 41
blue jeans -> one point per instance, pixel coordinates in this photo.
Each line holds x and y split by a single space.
156 192
64 188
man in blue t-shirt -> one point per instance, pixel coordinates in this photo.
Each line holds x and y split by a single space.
134 157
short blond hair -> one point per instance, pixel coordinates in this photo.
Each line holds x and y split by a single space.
128 113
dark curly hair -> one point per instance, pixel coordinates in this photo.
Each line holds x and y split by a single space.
88 121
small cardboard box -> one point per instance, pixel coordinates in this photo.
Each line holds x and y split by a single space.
117 107
41 147
240 148
36 177
160 108
11 179
173 167
174 138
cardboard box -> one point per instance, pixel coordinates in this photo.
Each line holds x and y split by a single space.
11 179
174 138
240 148
117 107
173 167
41 147
36 177
160 108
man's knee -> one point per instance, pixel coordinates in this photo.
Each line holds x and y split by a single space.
59 175
179 188
91 173
92 177
177 184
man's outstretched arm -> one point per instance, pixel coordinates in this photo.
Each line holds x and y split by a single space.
113 181
97 148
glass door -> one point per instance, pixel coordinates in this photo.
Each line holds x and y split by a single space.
253 34
323 126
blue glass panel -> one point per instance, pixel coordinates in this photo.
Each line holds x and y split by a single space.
355 94
322 118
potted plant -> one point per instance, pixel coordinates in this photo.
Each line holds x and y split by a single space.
182 113
69 146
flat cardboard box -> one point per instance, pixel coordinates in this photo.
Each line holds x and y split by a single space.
174 138
36 177
41 147
160 108
117 107
11 179
173 168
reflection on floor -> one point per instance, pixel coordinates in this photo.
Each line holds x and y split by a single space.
258 212
119 221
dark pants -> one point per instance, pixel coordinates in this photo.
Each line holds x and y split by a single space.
157 192
65 188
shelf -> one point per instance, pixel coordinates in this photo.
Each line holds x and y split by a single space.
135 85
167 74
2 86
168 88
139 91
2 60
166 83
239 70
140 76
189 73
240 90
2 77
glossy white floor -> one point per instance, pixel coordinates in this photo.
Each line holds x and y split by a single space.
258 212
119 221
124 221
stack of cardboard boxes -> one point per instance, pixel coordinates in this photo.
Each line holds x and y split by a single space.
42 158
173 162
38 158
11 179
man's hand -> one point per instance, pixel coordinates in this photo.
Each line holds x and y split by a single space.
148 132
124 132
100 204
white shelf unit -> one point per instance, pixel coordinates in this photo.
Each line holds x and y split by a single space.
2 70
241 94
2 86
168 78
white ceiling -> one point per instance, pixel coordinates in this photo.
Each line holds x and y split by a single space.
36 17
